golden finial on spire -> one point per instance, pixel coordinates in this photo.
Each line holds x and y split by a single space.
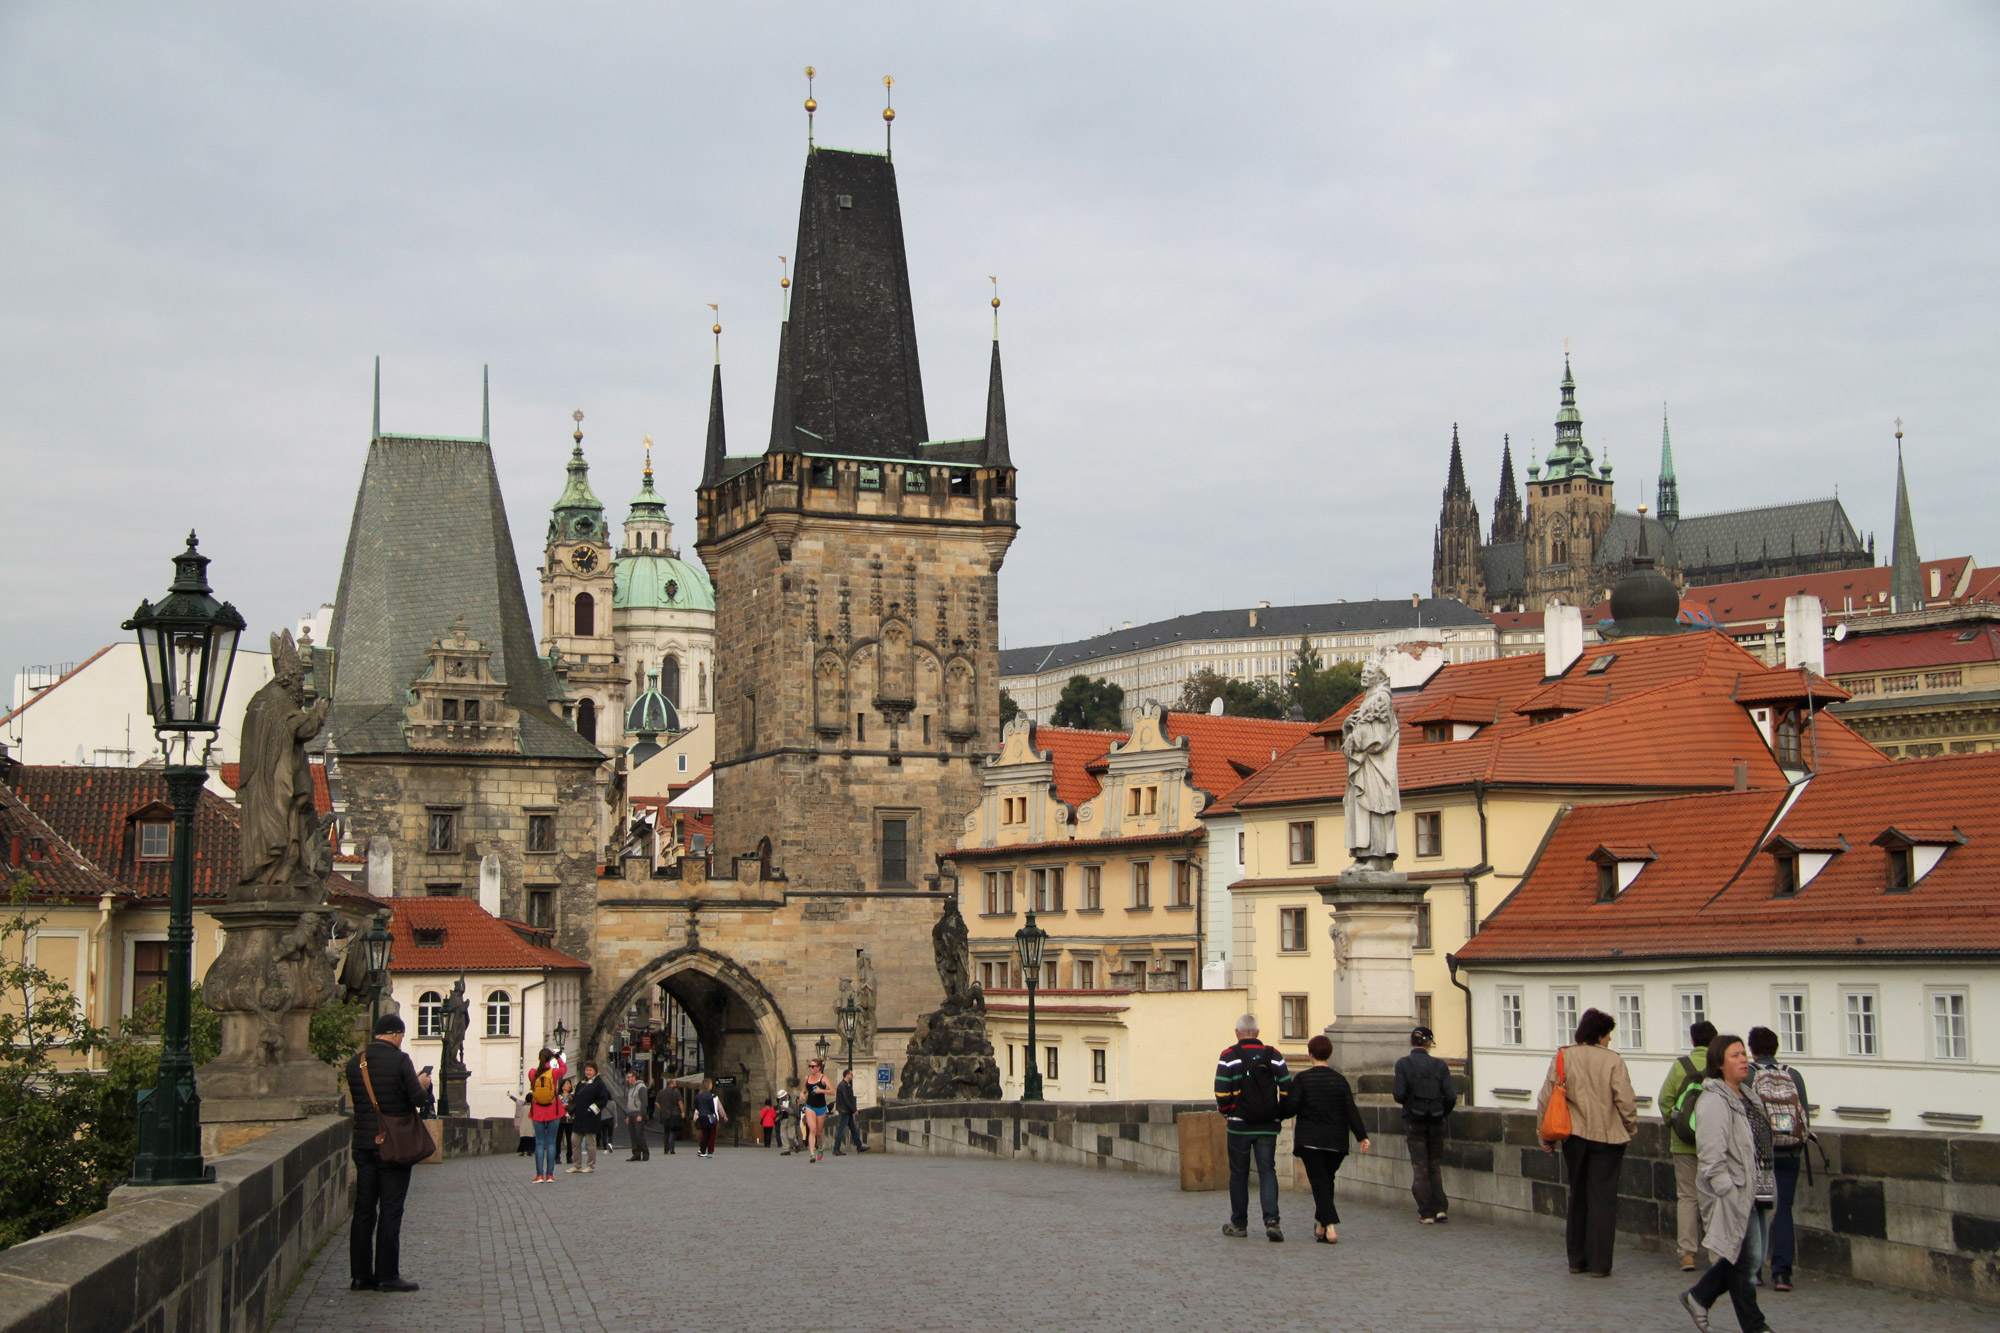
649 462
716 329
577 416
996 305
811 106
889 114
784 289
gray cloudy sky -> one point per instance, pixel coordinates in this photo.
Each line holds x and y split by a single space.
1256 260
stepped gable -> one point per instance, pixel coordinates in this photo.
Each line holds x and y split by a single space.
1665 712
1712 889
429 543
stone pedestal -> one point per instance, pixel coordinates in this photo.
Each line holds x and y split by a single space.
950 1057
266 984
1374 991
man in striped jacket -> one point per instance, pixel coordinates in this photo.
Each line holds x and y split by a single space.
1251 1083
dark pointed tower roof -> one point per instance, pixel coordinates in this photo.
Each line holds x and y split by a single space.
715 453
997 454
1569 457
1906 579
1669 487
578 514
1454 483
849 376
1507 483
1507 501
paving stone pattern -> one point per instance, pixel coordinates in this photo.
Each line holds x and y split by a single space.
878 1242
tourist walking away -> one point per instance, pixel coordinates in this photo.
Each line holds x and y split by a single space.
545 1108
524 1125
1325 1117
1737 1182
392 1083
588 1106
1678 1096
566 1135
670 1115
1603 1117
1251 1082
767 1120
1781 1090
1425 1091
638 1104
845 1108
708 1116
818 1093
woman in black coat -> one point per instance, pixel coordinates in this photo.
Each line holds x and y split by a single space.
1325 1114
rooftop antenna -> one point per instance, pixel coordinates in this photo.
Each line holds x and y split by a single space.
996 305
811 106
889 116
378 399
784 289
485 405
716 329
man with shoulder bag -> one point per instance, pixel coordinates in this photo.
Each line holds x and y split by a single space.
385 1090
1427 1094
1678 1096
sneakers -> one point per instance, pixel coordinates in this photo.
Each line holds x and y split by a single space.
1689 1263
1232 1230
572 1170
588 1170
1441 1219
1781 1281
1273 1232
1426 1221
1695 1312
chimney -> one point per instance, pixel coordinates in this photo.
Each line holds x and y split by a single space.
1562 638
14 851
489 883
1742 776
1805 634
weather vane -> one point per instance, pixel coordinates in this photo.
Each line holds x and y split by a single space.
716 329
784 288
811 106
996 305
577 416
889 116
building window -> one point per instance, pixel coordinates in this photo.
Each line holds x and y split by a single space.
1152 800
472 710
1423 1011
1048 889
1093 888
961 482
1788 876
1861 1035
1302 842
1510 1018
993 975
1142 884
1239 849
149 968
895 851
1565 1014
1790 753
1084 972
430 1014
439 891
541 833
1949 1037
1292 929
586 720
1184 883
1437 731
1631 1020
1607 881
1183 973
1049 979
681 763
427 939
499 1014
860 728
1013 809
871 476
1694 1008
586 616
1292 1017
443 830
1097 1065
1051 1062
1423 927
1792 1022
542 908
448 710
1430 833
999 893
822 474
156 842
915 480
1902 873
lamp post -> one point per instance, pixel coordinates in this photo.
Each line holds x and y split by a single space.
821 1047
561 1035
378 944
850 1014
1028 943
187 642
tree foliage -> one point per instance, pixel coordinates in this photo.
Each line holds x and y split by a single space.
1009 710
1097 704
1318 691
336 1031
1240 698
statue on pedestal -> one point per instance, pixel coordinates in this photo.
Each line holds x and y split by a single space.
285 855
1370 739
950 1057
454 1018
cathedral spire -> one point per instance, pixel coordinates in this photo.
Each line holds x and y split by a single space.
1455 480
1669 489
712 456
997 454
1569 457
1906 580
1507 503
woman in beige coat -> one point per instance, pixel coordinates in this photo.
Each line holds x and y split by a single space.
1736 1183
1603 1114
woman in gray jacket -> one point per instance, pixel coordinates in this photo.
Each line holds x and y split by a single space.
1735 1184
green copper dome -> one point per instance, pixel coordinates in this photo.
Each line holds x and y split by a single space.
579 515
1569 458
657 582
651 714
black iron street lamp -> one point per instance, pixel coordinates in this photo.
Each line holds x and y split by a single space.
1028 943
850 1014
187 642
821 1047
561 1035
378 945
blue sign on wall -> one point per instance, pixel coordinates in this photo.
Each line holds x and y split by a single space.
883 1074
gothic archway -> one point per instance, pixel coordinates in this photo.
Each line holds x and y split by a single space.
741 1029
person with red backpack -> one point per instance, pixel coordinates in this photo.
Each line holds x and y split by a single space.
1783 1093
1251 1088
545 1109
1678 1096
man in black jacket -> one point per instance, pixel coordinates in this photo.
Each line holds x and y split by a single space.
845 1108
1427 1095
374 1252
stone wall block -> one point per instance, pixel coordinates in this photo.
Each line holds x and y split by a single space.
1892 1156
1976 1161
34 1306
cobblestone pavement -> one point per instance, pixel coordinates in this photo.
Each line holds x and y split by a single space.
749 1239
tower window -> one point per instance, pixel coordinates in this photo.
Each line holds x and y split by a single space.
448 709
472 710
670 680
822 474
586 719
656 541
915 481
871 476
586 616
895 851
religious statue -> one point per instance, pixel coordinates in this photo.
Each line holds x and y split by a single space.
285 854
1369 739
948 942
454 1017
864 995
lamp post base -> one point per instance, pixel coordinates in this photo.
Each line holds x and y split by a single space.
170 1134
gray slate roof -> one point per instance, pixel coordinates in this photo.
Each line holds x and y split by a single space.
1281 622
1505 566
1621 540
429 543
1810 527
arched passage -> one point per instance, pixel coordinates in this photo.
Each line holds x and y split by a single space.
737 1021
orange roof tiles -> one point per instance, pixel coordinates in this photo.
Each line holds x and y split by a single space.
232 778
53 867
1786 686
1913 649
1661 715
1072 750
1713 893
1217 744
474 940
93 807
1476 709
1838 591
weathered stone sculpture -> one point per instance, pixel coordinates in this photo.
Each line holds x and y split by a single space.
454 1019
950 1057
1370 740
864 996
275 968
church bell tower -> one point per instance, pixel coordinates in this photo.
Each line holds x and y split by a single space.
576 606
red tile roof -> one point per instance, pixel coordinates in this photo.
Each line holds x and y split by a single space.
1477 709
1217 745
1661 715
1865 589
474 940
1913 649
1712 893
53 867
232 778
1794 685
1072 750
92 809
1517 619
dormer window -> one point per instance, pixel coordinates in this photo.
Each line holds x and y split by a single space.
1902 869
1437 731
428 939
1788 744
1788 876
156 842
1914 851
1618 866
1800 858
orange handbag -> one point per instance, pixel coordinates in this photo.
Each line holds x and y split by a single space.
1555 1115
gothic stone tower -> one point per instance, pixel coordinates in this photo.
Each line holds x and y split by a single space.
1455 565
1569 511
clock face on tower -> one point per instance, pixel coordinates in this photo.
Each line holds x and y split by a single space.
583 559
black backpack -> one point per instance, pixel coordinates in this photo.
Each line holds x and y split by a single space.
1257 1096
1426 1100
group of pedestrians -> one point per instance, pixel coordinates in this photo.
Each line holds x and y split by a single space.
1737 1127
799 1124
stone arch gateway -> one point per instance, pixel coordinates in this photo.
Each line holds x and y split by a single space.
729 1000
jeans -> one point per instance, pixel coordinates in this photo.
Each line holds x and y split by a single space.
844 1124
1426 1140
374 1247
1593 1201
635 1126
545 1147
1241 1148
670 1131
1787 1165
1321 1166
1738 1276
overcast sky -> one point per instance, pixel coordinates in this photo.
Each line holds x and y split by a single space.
1256 261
